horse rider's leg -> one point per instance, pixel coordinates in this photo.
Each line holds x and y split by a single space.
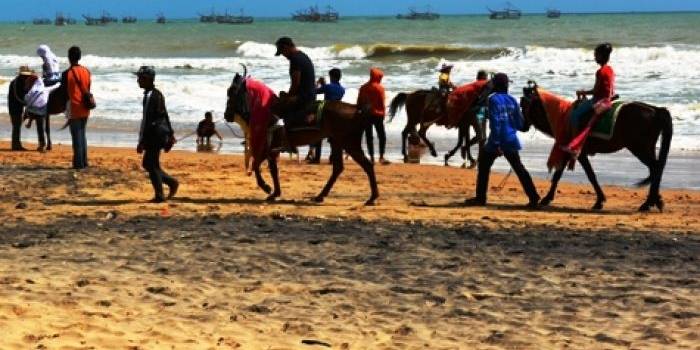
588 168
337 162
404 137
354 149
552 188
272 163
422 133
258 177
48 132
460 138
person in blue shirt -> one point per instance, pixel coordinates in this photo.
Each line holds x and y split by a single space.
505 120
332 91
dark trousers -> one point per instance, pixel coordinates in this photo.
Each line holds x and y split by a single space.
151 162
16 131
77 133
378 124
43 131
486 160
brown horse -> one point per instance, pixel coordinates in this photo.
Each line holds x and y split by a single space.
637 128
417 113
342 123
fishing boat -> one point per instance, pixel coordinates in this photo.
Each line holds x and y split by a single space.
553 13
129 19
41 21
508 12
160 19
94 21
62 20
312 14
229 19
415 15
210 18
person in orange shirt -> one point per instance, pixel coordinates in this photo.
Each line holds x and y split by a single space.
371 97
77 81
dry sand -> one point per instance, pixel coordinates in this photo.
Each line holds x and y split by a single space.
85 263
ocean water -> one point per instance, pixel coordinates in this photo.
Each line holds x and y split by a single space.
656 58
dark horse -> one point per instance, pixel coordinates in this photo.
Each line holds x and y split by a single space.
637 128
342 123
56 105
417 113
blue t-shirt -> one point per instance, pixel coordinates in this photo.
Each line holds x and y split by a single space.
331 92
505 119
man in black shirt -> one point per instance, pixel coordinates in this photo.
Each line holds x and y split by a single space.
303 80
15 105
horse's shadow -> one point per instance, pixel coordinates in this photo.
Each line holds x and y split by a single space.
245 201
518 207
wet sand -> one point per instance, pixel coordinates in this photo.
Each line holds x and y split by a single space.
86 263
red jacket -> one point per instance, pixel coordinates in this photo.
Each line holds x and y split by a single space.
372 93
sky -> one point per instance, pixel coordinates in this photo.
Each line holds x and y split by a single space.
14 10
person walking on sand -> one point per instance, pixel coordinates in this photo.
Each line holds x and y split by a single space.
156 134
206 129
15 105
51 73
332 91
372 97
77 80
505 119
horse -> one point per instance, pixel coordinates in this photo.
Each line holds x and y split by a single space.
343 123
56 105
637 129
417 113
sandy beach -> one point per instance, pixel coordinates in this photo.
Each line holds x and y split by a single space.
86 263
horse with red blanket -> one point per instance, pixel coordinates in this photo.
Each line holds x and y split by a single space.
637 128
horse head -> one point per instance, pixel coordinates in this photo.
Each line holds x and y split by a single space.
237 103
533 108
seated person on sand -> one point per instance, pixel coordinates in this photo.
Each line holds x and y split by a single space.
206 129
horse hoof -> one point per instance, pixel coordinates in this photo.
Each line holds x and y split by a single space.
272 197
318 199
472 165
545 202
645 208
433 153
371 202
597 206
660 205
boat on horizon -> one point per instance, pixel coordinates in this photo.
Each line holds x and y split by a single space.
312 14
230 19
160 19
553 13
415 15
508 12
210 18
62 20
41 21
129 19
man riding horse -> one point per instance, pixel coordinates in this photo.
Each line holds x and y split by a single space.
302 89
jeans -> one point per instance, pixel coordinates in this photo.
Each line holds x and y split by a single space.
378 123
16 131
486 160
151 163
77 133
583 110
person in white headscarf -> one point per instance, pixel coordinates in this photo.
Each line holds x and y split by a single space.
51 70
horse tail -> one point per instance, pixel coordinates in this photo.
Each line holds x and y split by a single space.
666 135
396 104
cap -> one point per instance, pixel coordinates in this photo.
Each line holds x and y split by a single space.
25 70
282 42
146 71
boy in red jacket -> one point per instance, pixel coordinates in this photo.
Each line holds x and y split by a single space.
371 96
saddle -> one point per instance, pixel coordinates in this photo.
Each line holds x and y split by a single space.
606 123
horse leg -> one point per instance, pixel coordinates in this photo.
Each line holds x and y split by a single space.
274 172
354 149
404 137
460 138
552 188
258 177
422 133
337 161
586 165
48 132
648 158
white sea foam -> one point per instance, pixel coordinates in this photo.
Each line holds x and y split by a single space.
664 76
